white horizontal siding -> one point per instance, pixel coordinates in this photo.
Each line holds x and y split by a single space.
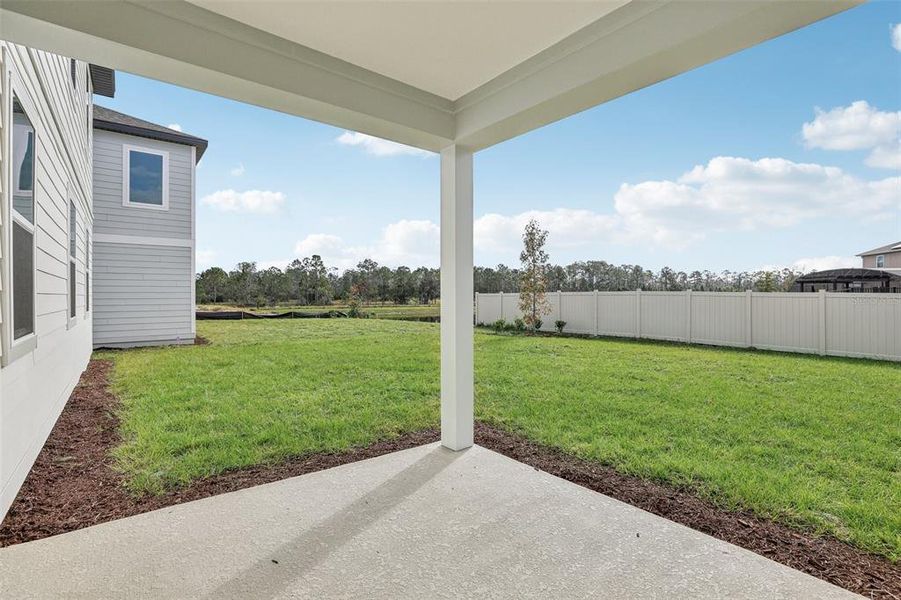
35 386
112 218
142 293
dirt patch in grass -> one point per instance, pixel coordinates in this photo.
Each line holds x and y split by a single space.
823 557
73 485
199 340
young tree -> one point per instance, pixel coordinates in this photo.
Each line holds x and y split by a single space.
533 283
766 282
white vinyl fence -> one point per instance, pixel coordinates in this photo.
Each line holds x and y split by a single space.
837 324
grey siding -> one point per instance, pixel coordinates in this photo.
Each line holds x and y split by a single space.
36 378
143 258
111 217
142 295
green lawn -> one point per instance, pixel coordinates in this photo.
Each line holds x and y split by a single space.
811 441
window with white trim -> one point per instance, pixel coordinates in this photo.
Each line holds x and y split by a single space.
146 178
22 250
73 230
880 261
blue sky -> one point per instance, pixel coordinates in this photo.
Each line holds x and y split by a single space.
786 154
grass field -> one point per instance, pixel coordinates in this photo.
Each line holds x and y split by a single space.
807 440
379 311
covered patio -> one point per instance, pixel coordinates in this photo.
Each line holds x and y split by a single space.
421 523
437 521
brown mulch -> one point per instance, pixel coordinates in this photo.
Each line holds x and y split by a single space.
73 485
824 557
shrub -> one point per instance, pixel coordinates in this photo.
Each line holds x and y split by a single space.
559 325
519 324
499 326
536 325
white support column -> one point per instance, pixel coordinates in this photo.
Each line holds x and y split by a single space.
456 298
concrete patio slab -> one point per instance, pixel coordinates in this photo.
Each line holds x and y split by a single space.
422 523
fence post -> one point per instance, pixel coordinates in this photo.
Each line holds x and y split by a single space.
688 309
749 336
822 322
638 313
596 330
502 306
477 309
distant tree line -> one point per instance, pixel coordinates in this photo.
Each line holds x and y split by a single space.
310 282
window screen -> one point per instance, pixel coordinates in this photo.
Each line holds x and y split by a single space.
145 178
23 281
73 228
72 288
23 164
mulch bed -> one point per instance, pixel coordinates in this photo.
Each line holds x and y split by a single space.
73 485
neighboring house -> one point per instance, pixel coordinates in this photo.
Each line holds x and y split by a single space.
880 272
82 254
884 257
144 218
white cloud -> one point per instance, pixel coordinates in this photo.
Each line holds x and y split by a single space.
858 126
237 171
567 227
205 258
406 242
174 126
377 146
726 194
896 37
824 263
322 244
251 201
738 193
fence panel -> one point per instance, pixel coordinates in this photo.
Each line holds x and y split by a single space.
663 316
840 324
719 318
617 314
864 325
788 322
578 310
488 308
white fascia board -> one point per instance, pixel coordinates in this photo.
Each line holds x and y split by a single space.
184 44
633 47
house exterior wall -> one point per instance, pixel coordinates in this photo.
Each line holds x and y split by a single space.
892 261
144 258
38 372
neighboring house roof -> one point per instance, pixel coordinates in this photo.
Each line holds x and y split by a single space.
841 275
111 120
104 80
896 247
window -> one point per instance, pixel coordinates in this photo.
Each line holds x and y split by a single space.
87 271
146 178
880 261
73 229
22 252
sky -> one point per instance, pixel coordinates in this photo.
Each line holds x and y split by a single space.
787 154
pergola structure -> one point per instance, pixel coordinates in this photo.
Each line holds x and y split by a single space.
450 77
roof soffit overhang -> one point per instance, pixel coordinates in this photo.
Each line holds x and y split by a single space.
634 46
